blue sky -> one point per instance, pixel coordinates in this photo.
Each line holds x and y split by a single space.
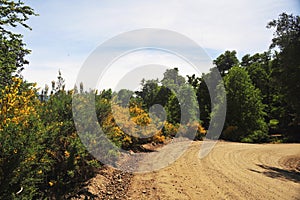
66 32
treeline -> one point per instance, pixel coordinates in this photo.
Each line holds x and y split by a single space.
42 156
262 90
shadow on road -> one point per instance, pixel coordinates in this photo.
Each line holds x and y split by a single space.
283 174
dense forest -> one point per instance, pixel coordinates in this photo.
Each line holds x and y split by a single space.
41 154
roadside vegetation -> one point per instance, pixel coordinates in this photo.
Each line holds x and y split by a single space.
41 154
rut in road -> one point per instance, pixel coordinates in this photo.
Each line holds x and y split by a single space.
230 171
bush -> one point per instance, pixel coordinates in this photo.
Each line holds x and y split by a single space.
22 158
159 137
257 136
41 154
170 130
71 165
201 132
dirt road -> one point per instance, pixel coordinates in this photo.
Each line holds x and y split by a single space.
230 171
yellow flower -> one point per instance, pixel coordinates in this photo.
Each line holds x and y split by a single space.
40 172
77 157
67 154
15 151
51 183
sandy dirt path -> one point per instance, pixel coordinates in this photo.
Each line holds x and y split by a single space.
230 171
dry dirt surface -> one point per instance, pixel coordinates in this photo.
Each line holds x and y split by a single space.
229 171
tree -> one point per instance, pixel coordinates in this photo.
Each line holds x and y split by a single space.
152 93
188 104
261 58
204 102
286 65
173 109
260 78
163 93
287 31
245 115
194 81
203 97
172 80
12 49
258 67
123 97
225 61
150 89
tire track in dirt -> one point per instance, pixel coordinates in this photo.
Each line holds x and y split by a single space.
230 171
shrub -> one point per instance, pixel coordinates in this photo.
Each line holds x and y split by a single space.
170 130
201 132
41 154
71 165
159 137
257 136
22 159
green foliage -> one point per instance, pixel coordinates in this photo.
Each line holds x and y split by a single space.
177 97
21 141
286 69
204 100
273 124
42 156
225 61
188 104
171 95
130 127
123 97
170 129
151 93
244 107
203 97
12 47
173 110
287 31
172 80
70 165
258 68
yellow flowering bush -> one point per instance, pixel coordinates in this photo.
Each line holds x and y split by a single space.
71 164
21 141
41 155
130 126
170 130
200 131
16 105
159 137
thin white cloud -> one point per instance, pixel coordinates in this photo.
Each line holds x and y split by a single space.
142 59
66 32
